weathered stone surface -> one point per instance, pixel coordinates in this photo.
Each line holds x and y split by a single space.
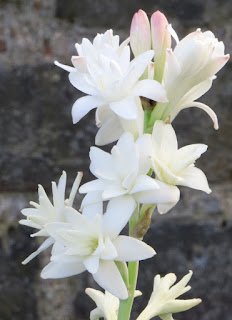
38 141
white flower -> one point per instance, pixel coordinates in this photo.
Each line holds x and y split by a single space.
91 241
176 166
46 212
124 171
109 78
107 304
190 70
163 302
87 50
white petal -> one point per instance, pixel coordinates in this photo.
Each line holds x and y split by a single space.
83 105
118 213
207 109
63 66
53 227
97 296
164 137
211 68
95 185
187 155
123 45
74 189
150 89
125 155
195 178
165 207
125 58
129 180
79 63
165 194
109 278
40 233
92 263
197 91
47 243
57 270
134 126
112 191
91 198
47 202
109 132
29 223
62 185
91 210
125 108
180 288
96 314
175 306
144 144
137 67
173 68
144 183
101 164
58 201
109 252
29 212
72 215
58 248
130 249
83 82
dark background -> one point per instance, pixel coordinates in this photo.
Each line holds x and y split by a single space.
38 141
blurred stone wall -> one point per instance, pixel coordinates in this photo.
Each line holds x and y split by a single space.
38 141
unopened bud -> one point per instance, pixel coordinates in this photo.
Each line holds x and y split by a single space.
161 41
140 33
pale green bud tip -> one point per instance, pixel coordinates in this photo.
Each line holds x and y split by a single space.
140 34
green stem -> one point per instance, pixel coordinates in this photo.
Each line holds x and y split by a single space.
126 305
133 269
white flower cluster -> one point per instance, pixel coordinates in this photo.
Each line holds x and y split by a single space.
136 100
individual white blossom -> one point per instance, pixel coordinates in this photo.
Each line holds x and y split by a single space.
45 212
164 302
189 73
91 241
107 304
110 78
124 171
175 166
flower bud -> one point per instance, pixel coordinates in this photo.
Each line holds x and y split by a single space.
161 40
140 34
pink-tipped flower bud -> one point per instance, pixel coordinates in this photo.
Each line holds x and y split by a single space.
161 40
140 33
